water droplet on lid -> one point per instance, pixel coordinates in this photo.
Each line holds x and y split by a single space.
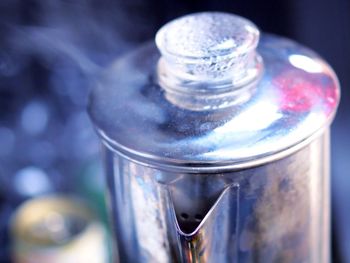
204 42
207 34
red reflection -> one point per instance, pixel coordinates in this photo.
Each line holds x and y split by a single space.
300 92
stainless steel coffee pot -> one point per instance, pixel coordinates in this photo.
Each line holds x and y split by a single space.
216 145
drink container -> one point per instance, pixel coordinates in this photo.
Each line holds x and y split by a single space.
216 145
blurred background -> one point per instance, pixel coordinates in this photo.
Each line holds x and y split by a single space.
52 50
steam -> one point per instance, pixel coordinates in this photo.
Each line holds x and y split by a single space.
75 31
50 51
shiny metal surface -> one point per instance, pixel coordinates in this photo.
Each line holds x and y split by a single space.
297 95
277 212
205 236
215 151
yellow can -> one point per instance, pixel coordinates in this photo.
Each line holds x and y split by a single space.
58 229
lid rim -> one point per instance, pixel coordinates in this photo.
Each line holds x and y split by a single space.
201 166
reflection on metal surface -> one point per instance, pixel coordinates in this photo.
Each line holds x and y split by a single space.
240 124
269 212
206 236
305 63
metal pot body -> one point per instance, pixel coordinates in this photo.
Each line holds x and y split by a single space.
216 146
275 212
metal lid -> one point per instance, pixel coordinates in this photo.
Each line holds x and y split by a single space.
213 104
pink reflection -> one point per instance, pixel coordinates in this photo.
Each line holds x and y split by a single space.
300 92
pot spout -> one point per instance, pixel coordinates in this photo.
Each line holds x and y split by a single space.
208 233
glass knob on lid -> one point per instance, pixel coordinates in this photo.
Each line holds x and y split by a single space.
207 58
209 47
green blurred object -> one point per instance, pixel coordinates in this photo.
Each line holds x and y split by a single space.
90 184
